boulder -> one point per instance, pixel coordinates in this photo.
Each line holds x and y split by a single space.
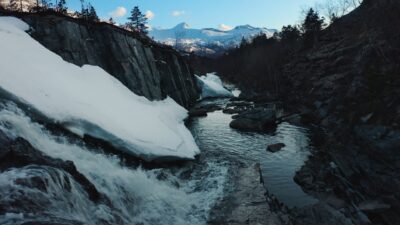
275 147
259 119
198 112
202 109
234 110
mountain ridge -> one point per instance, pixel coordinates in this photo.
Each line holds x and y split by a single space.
206 41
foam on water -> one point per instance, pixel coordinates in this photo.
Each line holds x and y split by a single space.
136 196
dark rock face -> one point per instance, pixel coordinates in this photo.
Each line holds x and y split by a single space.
349 84
147 69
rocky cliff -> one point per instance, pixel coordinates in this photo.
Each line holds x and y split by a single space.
349 85
144 67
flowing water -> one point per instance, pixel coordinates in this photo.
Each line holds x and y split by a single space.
217 139
176 195
135 196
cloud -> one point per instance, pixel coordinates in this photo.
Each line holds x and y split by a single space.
224 27
150 15
118 12
177 13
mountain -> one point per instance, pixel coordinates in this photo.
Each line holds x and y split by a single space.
206 40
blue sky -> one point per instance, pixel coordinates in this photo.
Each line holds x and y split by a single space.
206 13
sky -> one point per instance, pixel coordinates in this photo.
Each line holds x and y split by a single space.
223 14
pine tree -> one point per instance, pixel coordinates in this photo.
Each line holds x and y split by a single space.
311 27
84 11
138 20
82 5
289 34
61 6
243 42
92 14
111 21
45 4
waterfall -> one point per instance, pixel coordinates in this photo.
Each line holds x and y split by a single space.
134 196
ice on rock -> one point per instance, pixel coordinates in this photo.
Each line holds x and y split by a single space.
87 100
212 87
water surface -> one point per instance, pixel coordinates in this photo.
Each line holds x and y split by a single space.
217 140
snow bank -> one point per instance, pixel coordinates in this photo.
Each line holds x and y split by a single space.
212 87
88 100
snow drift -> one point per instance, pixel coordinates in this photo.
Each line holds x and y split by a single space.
87 100
212 87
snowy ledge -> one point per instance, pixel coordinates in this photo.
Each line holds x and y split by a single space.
87 100
212 87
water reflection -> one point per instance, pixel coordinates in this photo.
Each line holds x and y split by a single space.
217 140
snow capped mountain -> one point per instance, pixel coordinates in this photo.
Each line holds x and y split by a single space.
207 40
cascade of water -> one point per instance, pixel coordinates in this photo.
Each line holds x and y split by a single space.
135 196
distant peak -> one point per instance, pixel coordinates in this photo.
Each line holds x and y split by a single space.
247 26
182 26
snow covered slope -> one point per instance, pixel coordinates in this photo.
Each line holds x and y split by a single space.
212 87
199 39
88 100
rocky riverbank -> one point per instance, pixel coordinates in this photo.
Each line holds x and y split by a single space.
336 172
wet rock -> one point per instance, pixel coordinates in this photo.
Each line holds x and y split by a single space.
198 113
259 119
211 107
239 103
234 110
275 147
304 177
247 204
19 153
202 109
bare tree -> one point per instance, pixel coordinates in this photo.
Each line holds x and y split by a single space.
333 9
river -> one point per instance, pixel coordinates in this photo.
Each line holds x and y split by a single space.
184 194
